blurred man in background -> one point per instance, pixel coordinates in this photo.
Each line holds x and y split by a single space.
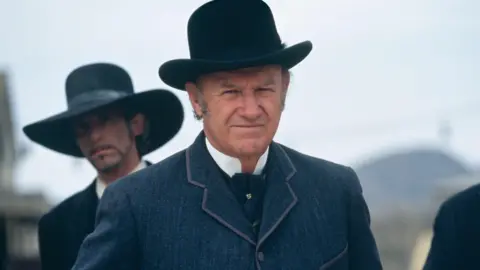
456 233
113 128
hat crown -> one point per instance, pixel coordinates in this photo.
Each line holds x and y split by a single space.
226 30
94 78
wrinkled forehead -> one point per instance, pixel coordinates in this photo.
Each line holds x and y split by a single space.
265 75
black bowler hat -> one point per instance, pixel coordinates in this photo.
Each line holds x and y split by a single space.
231 34
96 86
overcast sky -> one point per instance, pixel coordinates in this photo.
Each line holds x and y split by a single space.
381 76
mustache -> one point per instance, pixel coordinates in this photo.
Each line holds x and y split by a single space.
101 147
257 123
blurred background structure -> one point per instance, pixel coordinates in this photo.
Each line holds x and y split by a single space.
391 88
19 213
404 191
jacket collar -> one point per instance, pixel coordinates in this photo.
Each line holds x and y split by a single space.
231 165
100 185
220 203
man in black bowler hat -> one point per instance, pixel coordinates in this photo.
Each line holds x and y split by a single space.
234 199
112 127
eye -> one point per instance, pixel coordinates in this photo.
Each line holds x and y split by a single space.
265 89
229 92
81 128
103 118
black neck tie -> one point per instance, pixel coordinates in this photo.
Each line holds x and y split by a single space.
249 190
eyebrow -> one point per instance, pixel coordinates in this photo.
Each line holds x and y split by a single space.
226 83
269 81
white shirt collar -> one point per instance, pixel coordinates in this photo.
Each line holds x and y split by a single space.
231 165
100 185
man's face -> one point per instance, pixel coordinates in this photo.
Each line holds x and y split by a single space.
241 109
106 138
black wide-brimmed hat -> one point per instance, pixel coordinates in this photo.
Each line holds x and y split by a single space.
95 86
231 34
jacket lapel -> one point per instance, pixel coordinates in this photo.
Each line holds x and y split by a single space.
279 197
218 200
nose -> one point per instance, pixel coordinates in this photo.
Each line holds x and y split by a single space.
250 106
95 133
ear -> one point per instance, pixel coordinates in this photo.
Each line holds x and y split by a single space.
137 124
193 92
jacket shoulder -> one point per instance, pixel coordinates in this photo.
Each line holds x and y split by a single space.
166 169
463 199
64 208
325 169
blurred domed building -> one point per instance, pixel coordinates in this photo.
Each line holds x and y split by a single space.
403 191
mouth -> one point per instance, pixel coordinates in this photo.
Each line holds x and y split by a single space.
247 126
100 150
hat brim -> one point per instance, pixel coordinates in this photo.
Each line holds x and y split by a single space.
162 108
176 73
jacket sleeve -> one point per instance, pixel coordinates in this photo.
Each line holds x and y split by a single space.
444 253
114 242
49 245
362 248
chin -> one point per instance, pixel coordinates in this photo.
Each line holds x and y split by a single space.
106 164
253 146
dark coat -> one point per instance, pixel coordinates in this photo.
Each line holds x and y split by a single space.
180 214
456 233
62 230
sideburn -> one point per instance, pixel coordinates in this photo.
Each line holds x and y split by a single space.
135 140
203 107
